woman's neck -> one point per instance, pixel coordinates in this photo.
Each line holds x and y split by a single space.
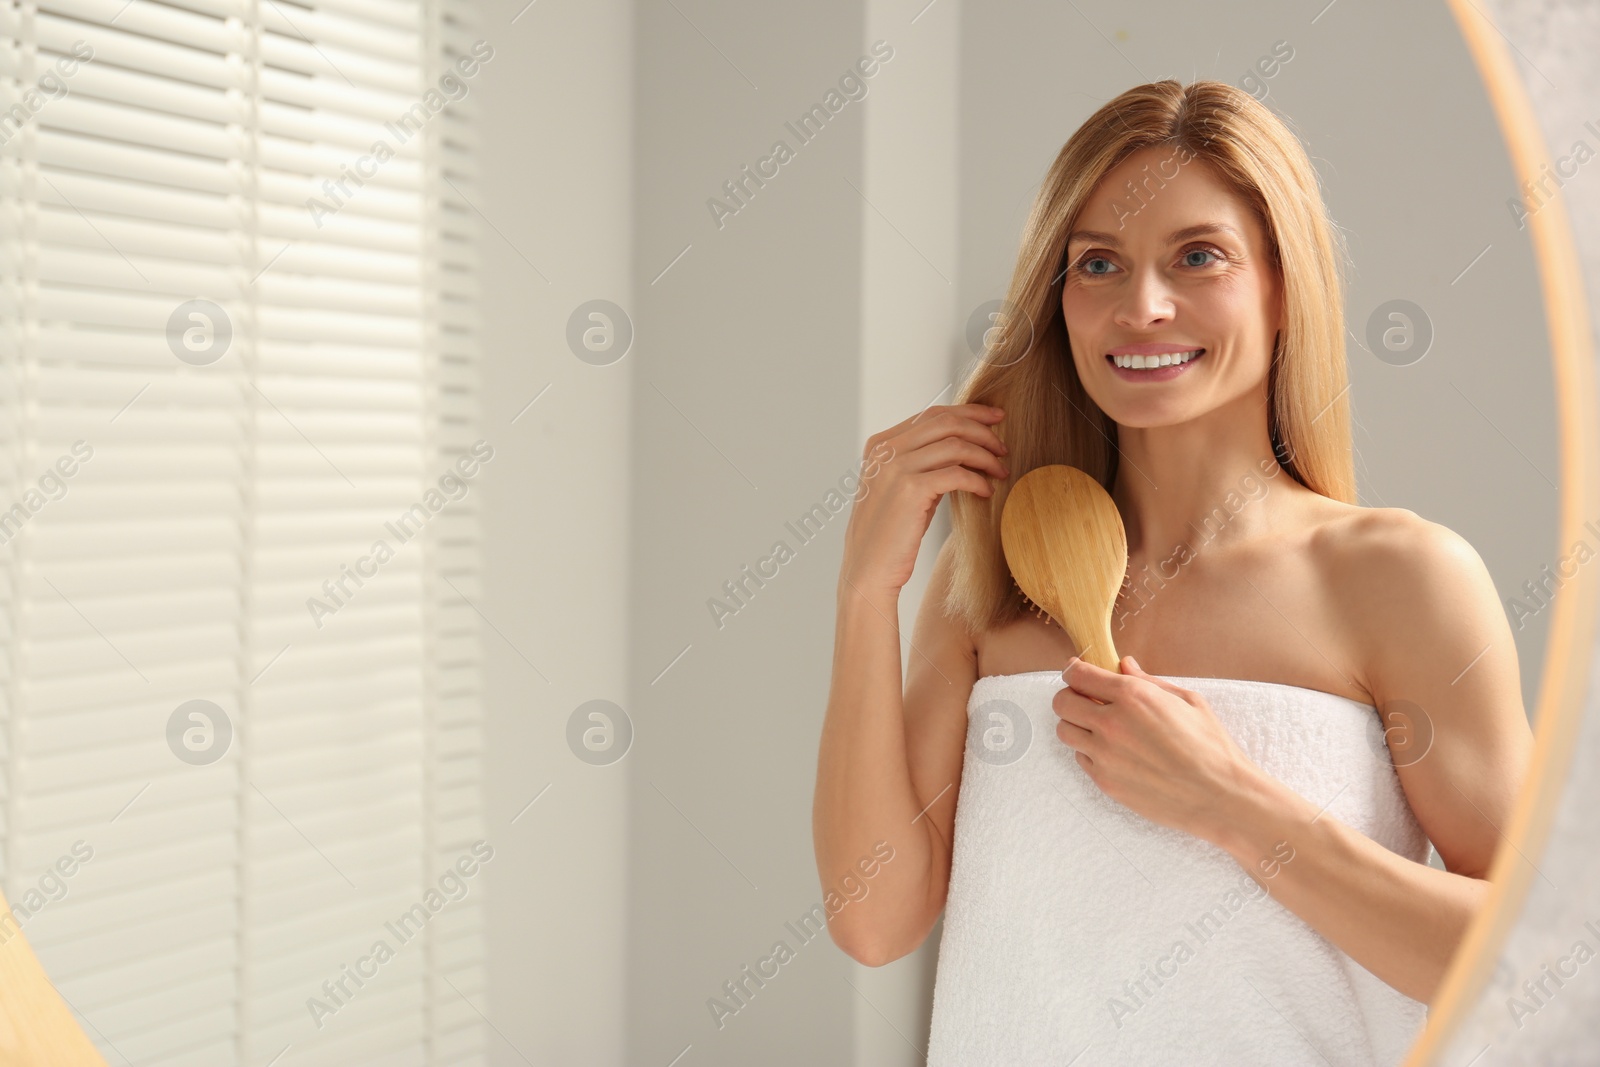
1215 479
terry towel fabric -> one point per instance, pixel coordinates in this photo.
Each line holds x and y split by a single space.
1079 932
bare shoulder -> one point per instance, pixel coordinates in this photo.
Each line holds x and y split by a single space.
1391 544
1390 555
1437 653
1413 594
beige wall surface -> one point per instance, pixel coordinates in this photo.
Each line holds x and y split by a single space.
555 154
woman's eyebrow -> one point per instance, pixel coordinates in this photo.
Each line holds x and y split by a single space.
1187 233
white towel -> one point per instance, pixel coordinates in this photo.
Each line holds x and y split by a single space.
1067 910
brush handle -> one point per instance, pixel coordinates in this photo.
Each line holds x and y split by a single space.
1101 651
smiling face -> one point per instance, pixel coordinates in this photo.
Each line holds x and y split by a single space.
1182 267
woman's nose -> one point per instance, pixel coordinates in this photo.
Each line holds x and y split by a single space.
1145 299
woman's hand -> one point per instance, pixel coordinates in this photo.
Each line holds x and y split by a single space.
1154 747
905 471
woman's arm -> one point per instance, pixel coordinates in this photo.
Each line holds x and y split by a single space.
1427 625
1443 667
1400 920
889 768
889 759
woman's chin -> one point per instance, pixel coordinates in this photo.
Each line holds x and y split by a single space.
1149 413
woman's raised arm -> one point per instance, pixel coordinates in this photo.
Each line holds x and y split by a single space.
889 764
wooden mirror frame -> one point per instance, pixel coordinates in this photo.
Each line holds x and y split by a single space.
1565 679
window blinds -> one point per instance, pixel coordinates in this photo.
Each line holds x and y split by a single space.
237 353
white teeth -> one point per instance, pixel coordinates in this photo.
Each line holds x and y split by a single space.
1163 360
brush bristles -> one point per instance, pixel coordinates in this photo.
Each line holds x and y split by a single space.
1038 612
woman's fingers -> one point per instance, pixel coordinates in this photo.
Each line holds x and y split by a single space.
942 480
986 413
1075 736
1076 709
954 450
935 452
971 422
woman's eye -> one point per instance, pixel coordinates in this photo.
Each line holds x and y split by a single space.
1086 264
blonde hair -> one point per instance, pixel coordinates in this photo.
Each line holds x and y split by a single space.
1027 366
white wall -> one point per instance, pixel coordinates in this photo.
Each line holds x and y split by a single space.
555 153
911 350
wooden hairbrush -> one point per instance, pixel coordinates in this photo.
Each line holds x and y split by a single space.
36 1026
1068 552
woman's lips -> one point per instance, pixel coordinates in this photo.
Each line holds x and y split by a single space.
1153 374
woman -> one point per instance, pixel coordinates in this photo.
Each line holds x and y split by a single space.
1221 853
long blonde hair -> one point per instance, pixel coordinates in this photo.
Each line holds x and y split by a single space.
1027 368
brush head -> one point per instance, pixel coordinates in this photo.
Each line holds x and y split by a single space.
1068 552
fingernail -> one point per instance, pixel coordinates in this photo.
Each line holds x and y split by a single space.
1135 664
